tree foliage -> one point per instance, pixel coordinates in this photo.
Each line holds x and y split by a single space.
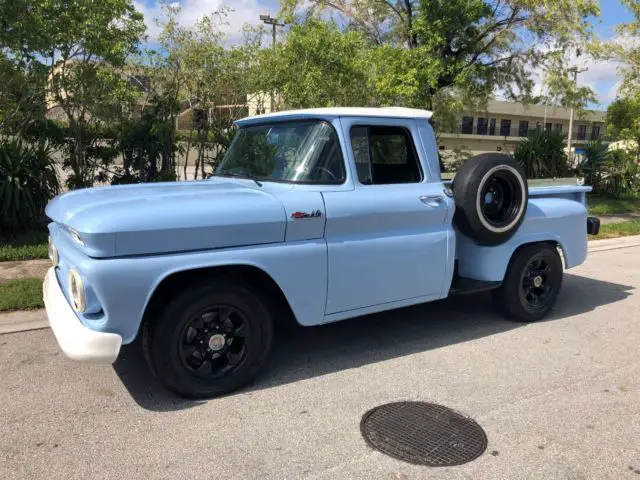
623 118
321 66
471 46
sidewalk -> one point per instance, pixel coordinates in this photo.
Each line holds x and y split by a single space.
21 321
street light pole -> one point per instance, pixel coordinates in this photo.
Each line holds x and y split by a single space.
569 140
269 20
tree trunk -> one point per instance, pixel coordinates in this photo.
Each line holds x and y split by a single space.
77 157
186 156
412 38
202 159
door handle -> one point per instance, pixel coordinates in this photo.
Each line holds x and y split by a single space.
431 200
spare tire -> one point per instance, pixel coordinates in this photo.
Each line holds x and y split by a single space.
491 196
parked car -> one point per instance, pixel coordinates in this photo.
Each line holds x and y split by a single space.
314 215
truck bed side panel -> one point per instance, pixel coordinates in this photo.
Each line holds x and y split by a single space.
549 218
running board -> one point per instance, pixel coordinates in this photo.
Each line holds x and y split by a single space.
465 286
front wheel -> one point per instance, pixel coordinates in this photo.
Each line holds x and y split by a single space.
211 339
531 285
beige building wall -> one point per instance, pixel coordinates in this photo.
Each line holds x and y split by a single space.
260 103
451 144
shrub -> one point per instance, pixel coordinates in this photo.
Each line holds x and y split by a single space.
542 155
148 147
620 176
28 180
610 172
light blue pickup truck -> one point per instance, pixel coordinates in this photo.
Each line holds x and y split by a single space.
313 215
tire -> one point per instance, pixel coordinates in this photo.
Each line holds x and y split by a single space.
225 324
491 196
515 298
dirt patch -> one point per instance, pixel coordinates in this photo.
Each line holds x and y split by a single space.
24 269
624 217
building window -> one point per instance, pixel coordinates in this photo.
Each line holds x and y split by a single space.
582 132
492 126
505 127
523 128
557 127
483 125
595 132
441 147
467 125
547 127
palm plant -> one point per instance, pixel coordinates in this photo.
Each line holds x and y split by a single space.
594 165
28 180
542 155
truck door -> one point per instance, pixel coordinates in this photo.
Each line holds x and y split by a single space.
389 239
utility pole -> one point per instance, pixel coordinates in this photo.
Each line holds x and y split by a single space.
269 20
575 72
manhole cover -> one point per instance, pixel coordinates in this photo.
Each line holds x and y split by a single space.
423 433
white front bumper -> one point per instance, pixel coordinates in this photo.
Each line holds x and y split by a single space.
76 341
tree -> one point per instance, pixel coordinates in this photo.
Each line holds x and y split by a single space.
562 88
321 66
623 118
22 75
84 43
625 49
469 46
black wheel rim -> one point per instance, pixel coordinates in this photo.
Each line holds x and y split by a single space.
500 199
537 284
213 342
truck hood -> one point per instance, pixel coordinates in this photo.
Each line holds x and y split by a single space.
168 217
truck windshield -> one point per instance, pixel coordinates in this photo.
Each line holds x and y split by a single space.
296 152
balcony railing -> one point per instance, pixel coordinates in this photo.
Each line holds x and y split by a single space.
578 135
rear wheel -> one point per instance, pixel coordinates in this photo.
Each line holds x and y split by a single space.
210 340
531 286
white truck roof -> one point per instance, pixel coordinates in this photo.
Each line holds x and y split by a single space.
393 112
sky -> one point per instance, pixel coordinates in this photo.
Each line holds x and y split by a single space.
601 76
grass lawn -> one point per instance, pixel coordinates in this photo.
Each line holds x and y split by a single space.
21 294
622 229
600 205
25 246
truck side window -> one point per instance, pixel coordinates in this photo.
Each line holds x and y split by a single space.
384 155
360 147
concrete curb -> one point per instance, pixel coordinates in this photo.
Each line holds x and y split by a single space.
22 321
613 243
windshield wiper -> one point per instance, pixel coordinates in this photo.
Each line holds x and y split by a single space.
239 175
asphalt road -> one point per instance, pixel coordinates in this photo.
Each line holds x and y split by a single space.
558 399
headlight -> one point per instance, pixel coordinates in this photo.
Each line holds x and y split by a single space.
76 292
53 253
